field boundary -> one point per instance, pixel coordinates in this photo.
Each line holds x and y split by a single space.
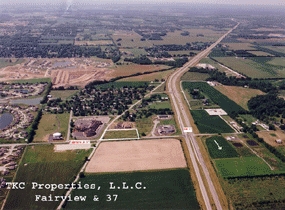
131 129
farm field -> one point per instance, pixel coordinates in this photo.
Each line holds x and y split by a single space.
135 51
239 95
259 53
256 67
280 49
218 98
177 38
240 46
242 166
52 123
210 124
192 76
227 150
167 189
41 164
137 155
130 39
63 94
256 193
125 70
149 77
121 134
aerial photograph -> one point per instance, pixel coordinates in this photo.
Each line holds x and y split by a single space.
142 104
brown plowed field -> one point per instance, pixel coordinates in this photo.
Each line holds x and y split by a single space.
137 155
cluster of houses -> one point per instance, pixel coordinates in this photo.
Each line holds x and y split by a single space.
11 91
8 158
22 118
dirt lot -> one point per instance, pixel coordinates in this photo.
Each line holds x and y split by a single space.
271 136
137 155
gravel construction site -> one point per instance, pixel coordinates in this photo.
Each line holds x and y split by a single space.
137 155
63 72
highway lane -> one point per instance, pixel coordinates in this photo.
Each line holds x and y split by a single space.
182 111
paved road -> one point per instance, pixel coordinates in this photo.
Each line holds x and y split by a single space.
182 111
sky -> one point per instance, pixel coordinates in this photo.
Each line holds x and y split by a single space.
235 2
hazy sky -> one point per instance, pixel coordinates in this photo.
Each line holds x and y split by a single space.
236 2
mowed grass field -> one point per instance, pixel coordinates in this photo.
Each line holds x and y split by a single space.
169 189
149 77
52 123
210 124
194 76
242 166
42 165
227 150
240 95
121 134
63 94
125 70
262 193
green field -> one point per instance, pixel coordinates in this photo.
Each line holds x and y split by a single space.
160 105
52 123
31 80
210 124
63 94
4 62
42 165
227 150
255 67
218 98
120 134
244 166
195 76
171 189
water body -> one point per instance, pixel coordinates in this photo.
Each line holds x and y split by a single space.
33 101
61 64
5 120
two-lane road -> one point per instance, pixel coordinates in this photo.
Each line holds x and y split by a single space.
182 113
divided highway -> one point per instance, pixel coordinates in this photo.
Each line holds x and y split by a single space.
182 112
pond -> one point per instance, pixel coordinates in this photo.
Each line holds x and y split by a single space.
32 101
5 120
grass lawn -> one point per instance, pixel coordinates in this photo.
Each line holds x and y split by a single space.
210 124
120 134
51 123
169 189
63 94
227 150
242 166
240 95
160 105
42 165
